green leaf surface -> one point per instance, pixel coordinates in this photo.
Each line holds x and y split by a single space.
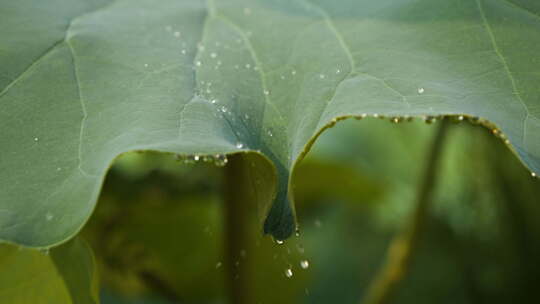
65 274
84 81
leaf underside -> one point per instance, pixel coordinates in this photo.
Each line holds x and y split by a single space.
82 81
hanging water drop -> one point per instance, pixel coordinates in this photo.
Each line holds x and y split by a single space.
533 174
196 157
213 101
304 264
220 160
338 71
421 90
288 273
239 145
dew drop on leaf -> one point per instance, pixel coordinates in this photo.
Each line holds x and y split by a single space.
36 139
279 242
533 174
304 264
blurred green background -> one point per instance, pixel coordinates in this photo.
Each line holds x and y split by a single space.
158 230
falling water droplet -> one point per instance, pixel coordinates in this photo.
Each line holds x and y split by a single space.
213 101
288 273
304 264
421 90
338 71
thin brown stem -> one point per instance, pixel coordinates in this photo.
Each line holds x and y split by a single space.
237 200
402 247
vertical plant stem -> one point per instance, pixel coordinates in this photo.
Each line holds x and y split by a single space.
401 249
237 202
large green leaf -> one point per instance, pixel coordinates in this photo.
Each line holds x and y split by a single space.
84 81
66 274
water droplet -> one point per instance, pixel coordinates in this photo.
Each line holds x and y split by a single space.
293 72
36 139
375 115
198 63
318 223
279 242
177 34
168 28
183 52
460 117
200 47
533 174
395 120
288 273
213 101
49 216
220 160
146 65
338 71
239 145
248 66
223 109
236 66
59 169
282 77
270 133
322 76
218 62
304 264
218 265
421 90
196 157
507 141
266 92
44 251
213 55
247 11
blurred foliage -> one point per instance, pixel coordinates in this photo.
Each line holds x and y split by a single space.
64 274
158 231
